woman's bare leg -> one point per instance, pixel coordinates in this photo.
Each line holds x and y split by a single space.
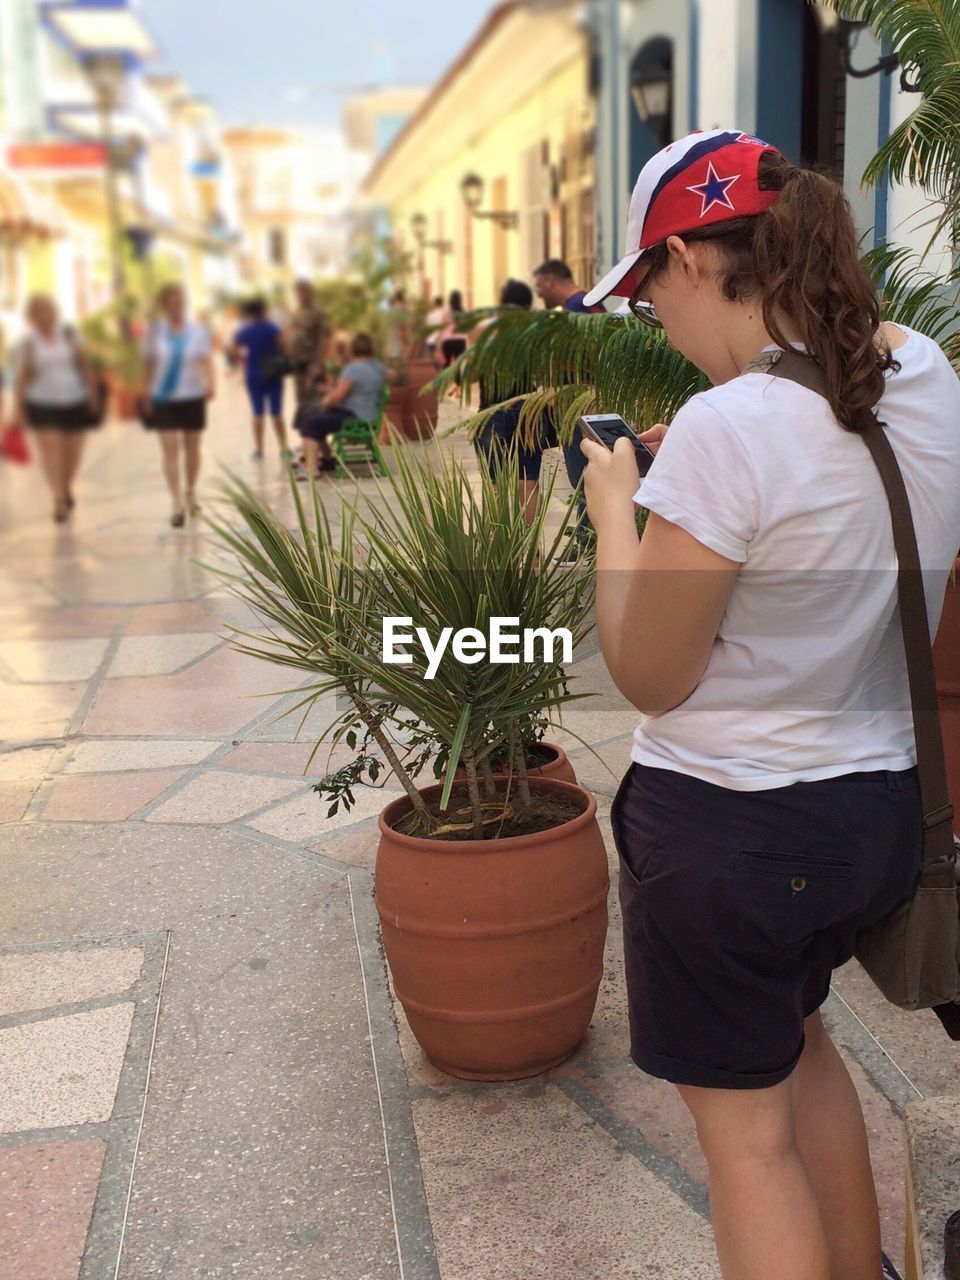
832 1138
50 446
258 433
766 1219
170 447
530 498
74 443
192 444
311 456
280 431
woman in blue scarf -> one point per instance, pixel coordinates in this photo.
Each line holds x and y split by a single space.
179 382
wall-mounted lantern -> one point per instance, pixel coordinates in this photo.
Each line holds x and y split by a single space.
418 225
471 188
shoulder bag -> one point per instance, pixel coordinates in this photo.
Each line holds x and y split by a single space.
913 954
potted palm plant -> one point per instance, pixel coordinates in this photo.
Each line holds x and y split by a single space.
492 886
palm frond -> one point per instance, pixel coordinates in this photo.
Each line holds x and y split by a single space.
911 296
579 364
925 149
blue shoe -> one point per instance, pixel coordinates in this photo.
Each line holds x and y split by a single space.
890 1272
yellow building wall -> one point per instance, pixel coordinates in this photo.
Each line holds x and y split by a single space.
556 108
41 268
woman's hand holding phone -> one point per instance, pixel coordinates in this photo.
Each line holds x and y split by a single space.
610 481
653 436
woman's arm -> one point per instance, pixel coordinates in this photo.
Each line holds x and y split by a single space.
337 394
21 384
206 367
660 600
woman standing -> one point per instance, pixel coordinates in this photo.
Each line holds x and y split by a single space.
179 382
56 395
259 343
772 809
450 342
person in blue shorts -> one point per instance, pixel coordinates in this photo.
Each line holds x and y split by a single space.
258 342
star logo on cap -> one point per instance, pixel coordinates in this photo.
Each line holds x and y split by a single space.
714 191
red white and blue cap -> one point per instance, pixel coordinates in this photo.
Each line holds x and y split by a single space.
699 180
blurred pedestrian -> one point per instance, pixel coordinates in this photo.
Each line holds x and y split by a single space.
556 288
259 343
357 394
57 396
398 336
435 320
179 382
498 439
307 340
451 344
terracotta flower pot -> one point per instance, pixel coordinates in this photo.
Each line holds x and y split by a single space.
557 766
124 401
410 413
496 946
946 662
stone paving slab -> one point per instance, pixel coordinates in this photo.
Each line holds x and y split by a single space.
40 980
47 1191
113 756
62 1070
106 797
521 1183
37 661
219 797
159 655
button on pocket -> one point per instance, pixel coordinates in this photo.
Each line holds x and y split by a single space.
790 897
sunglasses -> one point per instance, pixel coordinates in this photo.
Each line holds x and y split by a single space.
644 311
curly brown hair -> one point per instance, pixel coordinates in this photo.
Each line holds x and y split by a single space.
801 258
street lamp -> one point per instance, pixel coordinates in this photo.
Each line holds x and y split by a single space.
651 84
471 188
107 39
418 225
107 73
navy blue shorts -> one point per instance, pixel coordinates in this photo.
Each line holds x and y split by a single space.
498 437
314 423
263 394
738 905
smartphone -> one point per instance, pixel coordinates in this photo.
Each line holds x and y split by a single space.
608 428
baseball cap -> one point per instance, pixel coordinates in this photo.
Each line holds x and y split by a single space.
699 180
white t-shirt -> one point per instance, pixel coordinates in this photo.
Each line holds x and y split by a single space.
161 347
807 677
56 376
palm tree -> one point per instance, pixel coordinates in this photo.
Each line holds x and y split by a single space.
925 149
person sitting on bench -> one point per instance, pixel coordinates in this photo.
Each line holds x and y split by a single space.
356 394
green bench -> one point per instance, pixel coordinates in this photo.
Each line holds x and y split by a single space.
359 441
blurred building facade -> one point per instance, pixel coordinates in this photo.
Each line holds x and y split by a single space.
495 170
76 91
371 121
554 107
293 191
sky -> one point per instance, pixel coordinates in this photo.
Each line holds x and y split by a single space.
294 62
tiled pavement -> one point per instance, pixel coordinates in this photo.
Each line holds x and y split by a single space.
200 1070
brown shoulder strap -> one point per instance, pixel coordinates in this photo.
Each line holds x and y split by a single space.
938 845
